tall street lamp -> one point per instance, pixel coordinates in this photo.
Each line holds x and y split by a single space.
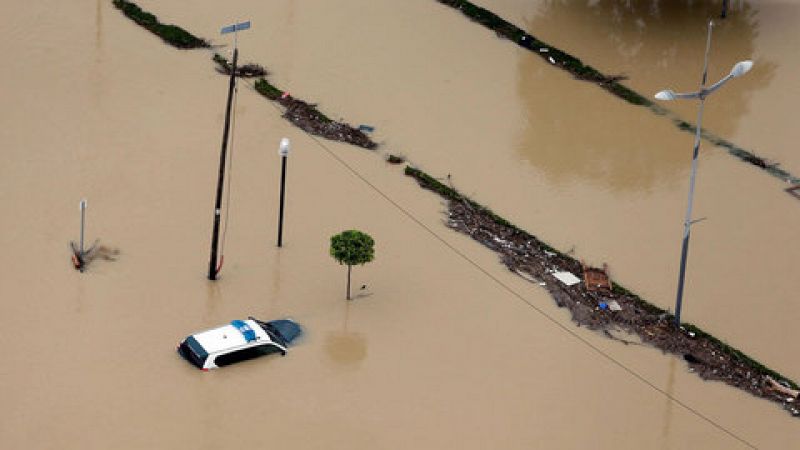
283 150
738 70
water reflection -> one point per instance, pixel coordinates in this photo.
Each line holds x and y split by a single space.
80 296
273 299
213 299
666 431
98 21
345 347
96 67
657 45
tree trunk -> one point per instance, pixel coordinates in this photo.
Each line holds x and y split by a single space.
348 280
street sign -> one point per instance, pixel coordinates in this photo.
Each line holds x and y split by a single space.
235 27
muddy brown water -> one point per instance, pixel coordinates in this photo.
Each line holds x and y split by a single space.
660 45
434 354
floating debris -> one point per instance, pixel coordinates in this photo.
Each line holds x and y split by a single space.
709 358
567 278
80 260
394 159
249 70
527 277
307 117
596 279
794 191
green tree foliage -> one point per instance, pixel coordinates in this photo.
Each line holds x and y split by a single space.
171 34
352 247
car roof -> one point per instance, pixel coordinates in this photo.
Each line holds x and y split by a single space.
229 336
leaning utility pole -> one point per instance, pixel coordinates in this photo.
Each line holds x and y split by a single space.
213 267
212 264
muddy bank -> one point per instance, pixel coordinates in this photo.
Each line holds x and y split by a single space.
610 83
630 315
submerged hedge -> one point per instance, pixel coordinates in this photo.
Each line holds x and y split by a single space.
171 34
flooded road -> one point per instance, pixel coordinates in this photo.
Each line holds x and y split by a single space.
435 353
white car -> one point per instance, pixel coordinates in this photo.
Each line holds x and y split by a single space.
238 341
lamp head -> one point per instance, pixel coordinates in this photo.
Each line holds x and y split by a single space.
667 94
283 150
741 68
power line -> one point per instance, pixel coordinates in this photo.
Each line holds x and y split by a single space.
518 295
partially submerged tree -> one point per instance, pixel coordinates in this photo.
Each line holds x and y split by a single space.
352 247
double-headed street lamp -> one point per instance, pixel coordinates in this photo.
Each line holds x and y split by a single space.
738 70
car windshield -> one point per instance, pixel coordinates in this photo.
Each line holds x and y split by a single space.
273 333
286 329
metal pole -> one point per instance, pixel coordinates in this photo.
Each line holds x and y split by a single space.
283 191
212 264
83 221
687 223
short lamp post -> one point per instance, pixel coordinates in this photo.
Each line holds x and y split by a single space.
283 151
738 70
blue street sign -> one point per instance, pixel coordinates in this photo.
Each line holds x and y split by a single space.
235 27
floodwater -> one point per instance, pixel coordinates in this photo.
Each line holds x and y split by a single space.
660 45
434 353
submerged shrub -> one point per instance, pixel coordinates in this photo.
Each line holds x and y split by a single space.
171 34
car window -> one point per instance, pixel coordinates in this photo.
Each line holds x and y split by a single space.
245 354
193 351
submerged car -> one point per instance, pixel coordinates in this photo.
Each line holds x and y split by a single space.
238 341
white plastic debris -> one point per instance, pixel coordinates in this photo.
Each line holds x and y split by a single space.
552 61
544 50
550 254
567 278
526 276
614 306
